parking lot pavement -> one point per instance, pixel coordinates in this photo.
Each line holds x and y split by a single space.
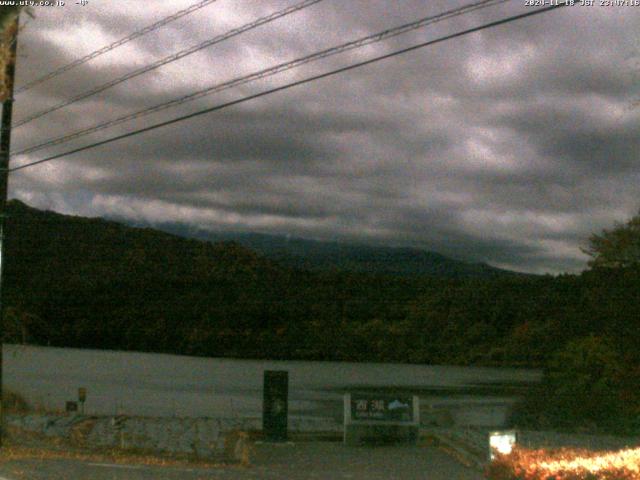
60 469
305 460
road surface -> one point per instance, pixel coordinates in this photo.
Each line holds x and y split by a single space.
304 460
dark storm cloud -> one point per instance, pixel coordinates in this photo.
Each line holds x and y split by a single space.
509 146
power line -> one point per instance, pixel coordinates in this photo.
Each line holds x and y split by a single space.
361 42
294 84
173 58
118 43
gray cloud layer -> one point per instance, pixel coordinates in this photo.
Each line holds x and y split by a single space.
508 146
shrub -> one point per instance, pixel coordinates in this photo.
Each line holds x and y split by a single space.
565 464
583 388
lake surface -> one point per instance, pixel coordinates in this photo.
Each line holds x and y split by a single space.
171 385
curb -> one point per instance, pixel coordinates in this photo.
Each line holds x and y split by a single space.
467 454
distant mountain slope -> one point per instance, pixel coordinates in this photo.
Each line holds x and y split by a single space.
318 255
97 283
92 283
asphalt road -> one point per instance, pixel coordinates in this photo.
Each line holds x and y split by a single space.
305 460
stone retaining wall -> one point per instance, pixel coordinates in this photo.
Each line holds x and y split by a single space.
203 437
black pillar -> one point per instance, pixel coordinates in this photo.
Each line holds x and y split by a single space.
275 406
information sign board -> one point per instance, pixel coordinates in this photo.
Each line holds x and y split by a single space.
382 407
381 418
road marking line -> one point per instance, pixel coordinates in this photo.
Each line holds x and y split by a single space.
113 465
130 467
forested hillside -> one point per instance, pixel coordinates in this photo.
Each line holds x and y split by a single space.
91 283
318 255
81 282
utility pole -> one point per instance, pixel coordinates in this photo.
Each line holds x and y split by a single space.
5 146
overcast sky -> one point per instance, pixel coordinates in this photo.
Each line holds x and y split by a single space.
508 146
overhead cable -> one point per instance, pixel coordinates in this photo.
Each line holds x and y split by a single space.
118 43
171 58
291 85
361 42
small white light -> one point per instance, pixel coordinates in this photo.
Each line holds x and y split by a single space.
501 442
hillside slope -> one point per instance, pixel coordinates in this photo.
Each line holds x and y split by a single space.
92 283
79 282
324 255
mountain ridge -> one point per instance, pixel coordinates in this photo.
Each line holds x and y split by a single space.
311 254
319 255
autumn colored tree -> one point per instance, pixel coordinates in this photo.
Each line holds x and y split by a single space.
618 247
